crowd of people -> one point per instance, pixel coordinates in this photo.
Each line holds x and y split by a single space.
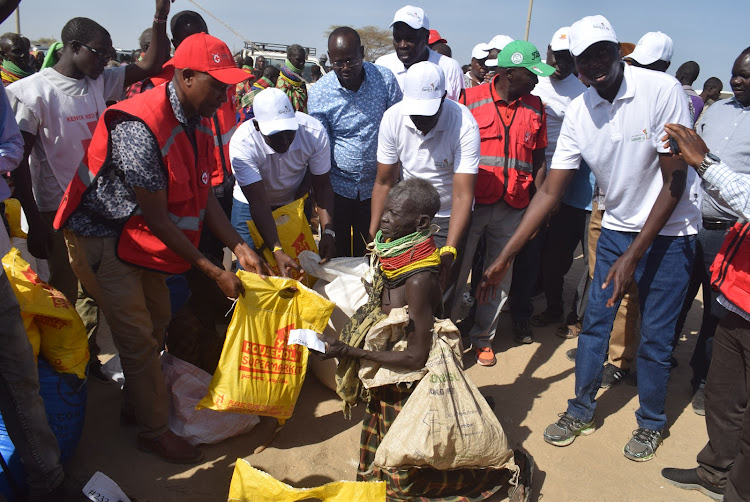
471 186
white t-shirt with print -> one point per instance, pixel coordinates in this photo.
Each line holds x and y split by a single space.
454 76
62 113
282 173
451 147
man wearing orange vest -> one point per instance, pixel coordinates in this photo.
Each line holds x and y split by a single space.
135 212
513 131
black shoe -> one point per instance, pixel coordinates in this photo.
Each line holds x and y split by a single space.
688 479
545 318
522 332
699 401
571 354
70 490
612 375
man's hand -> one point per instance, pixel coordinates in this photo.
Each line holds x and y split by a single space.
162 8
230 284
327 248
446 263
251 262
334 346
286 264
491 278
622 272
692 148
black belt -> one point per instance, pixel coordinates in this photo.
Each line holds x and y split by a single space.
714 224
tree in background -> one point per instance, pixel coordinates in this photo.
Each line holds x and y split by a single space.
43 42
376 41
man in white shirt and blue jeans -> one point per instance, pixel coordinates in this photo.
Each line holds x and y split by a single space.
648 231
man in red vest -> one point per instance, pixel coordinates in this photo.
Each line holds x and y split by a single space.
135 211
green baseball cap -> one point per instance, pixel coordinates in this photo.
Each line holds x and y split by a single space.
523 54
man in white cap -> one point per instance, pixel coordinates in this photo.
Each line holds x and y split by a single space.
411 32
513 138
653 51
482 57
271 155
568 226
648 230
427 136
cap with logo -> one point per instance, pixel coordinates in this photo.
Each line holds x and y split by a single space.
274 112
497 42
523 54
589 30
204 53
435 38
560 40
424 88
652 47
413 16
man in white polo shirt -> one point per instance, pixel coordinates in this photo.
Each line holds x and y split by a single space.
435 139
648 231
411 30
271 155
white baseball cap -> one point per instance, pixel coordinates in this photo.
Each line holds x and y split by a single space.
653 46
424 87
274 112
498 42
560 40
480 51
587 31
413 16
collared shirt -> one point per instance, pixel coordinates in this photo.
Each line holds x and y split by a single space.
135 162
470 80
11 152
451 147
352 120
281 173
454 77
621 142
725 128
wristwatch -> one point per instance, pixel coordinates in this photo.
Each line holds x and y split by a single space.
709 160
330 232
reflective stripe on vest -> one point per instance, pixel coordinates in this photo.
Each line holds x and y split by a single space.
191 223
171 140
519 165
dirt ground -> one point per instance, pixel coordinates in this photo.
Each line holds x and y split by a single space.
530 386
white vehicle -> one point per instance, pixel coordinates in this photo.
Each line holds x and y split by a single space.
275 55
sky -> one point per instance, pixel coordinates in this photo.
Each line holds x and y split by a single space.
712 33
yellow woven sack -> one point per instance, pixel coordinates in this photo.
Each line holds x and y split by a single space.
63 342
294 234
252 485
259 372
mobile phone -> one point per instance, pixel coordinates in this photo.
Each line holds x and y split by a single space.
674 146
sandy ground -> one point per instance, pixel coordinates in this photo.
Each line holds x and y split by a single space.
530 386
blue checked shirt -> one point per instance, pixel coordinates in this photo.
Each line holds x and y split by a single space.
352 120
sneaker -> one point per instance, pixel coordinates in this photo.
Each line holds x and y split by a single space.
688 479
522 332
545 318
699 401
642 446
564 431
612 375
571 354
486 357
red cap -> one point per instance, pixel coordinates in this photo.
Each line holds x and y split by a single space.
202 52
435 38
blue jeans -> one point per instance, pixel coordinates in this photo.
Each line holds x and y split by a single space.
22 408
662 276
240 217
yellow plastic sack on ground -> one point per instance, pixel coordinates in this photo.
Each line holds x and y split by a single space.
13 215
252 485
294 234
63 342
259 372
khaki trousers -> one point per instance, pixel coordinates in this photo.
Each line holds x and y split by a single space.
136 304
623 341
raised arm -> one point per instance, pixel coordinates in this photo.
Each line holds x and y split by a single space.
157 53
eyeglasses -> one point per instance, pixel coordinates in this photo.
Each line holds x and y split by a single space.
103 56
349 63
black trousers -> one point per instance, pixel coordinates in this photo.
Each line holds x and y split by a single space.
725 460
351 217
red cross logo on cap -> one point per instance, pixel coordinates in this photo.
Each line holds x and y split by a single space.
217 58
